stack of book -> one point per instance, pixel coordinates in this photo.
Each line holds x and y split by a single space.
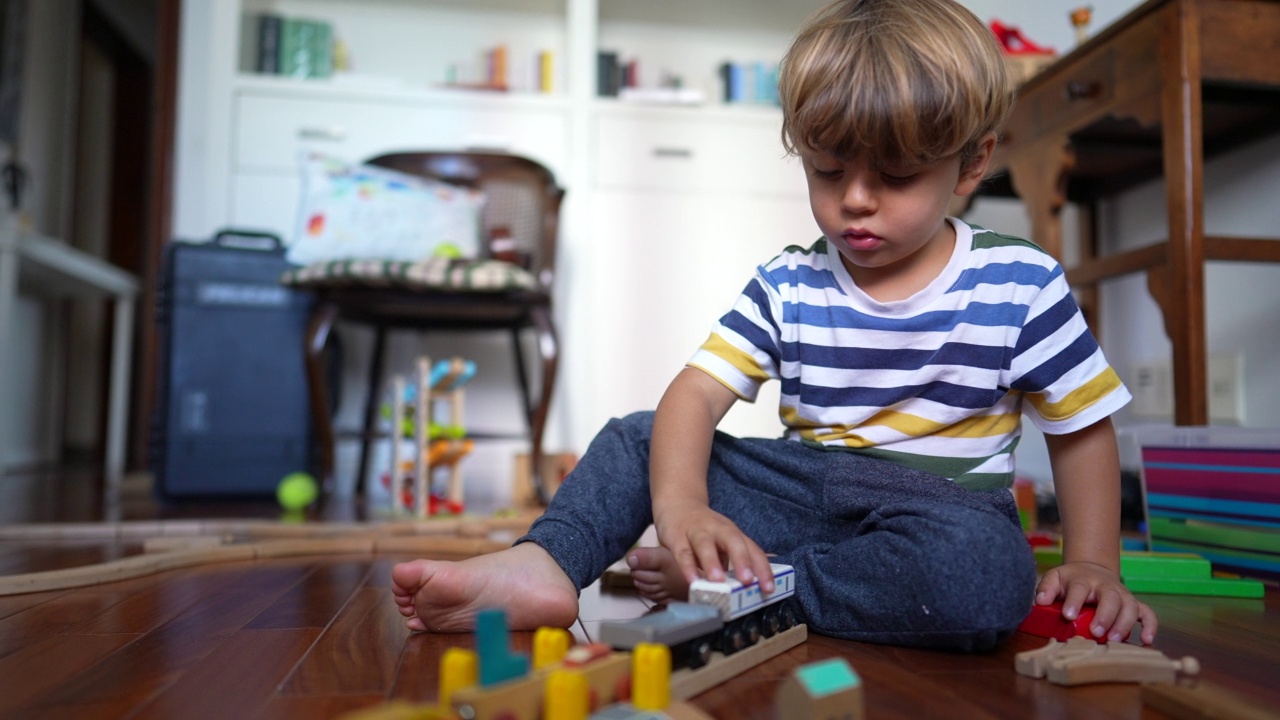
294 47
750 83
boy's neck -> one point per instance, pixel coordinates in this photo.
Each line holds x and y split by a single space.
910 275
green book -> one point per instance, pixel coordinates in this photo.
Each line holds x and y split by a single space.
306 49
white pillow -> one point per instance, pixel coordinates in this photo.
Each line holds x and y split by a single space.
351 212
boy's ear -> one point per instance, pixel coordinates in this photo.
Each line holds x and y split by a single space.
971 175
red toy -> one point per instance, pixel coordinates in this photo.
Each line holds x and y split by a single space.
1047 621
1014 42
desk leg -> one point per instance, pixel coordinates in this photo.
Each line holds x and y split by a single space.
118 401
1183 305
8 293
1039 177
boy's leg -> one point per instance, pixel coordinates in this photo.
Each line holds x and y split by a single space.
600 510
882 553
603 506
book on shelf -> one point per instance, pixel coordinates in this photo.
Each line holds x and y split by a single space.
268 36
306 48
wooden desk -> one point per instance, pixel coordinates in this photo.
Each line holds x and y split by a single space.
51 269
1165 86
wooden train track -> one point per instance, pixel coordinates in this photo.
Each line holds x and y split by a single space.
174 544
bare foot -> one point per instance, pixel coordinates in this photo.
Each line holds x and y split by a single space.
525 581
656 575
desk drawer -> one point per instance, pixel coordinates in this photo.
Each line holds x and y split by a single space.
648 151
1077 94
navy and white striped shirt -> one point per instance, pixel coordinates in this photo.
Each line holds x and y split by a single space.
936 381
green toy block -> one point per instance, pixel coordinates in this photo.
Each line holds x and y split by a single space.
1210 586
1156 565
1260 540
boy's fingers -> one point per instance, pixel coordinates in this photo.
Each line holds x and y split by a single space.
708 557
1147 617
1076 596
1124 621
1106 614
1048 589
764 572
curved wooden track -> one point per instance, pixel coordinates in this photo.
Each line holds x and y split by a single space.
174 544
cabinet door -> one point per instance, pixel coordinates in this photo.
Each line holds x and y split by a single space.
661 270
273 131
684 151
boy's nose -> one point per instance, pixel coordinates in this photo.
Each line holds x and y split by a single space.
859 196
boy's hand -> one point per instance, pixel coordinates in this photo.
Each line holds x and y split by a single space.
701 538
1080 583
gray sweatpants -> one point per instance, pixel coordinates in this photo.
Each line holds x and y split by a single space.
882 553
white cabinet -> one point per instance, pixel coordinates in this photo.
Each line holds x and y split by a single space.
687 150
276 122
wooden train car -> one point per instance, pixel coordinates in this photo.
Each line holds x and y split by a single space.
724 616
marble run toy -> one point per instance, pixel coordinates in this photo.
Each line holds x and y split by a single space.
434 445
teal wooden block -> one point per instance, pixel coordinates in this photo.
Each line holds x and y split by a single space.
493 648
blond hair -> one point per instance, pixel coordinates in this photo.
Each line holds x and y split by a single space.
896 82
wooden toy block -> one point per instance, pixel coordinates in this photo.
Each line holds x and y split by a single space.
825 690
1207 586
1080 661
497 662
651 676
1199 699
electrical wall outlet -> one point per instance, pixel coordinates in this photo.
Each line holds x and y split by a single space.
1226 388
1152 388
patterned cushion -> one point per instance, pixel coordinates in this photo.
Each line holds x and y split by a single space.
435 273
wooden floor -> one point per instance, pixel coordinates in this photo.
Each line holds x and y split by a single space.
318 637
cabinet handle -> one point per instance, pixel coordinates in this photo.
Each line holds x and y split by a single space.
673 152
335 133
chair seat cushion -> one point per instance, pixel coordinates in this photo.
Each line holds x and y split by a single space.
435 273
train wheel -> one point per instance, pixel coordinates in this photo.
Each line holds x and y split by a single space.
731 639
698 653
751 630
770 621
788 616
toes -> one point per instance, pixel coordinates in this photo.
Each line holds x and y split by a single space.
409 575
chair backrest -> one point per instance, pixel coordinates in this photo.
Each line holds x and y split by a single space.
522 198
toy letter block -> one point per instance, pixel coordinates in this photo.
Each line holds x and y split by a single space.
497 662
826 690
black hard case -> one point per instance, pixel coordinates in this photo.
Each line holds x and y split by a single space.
232 409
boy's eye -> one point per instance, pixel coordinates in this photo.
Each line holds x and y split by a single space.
826 174
898 179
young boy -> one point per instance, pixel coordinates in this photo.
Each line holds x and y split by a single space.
908 344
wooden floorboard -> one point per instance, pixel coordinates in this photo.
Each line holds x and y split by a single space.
318 636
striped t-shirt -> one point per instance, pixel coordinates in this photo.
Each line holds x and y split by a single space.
936 381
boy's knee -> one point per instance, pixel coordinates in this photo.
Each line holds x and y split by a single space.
637 424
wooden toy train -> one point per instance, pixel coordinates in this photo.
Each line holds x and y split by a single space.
720 616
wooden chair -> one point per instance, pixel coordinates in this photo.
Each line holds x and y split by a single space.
520 222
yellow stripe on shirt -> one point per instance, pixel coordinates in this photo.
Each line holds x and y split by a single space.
742 361
1083 397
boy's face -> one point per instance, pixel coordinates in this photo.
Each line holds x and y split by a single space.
887 221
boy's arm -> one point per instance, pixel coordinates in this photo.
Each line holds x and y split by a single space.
1086 479
679 456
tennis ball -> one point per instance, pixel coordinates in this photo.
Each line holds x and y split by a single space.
296 491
